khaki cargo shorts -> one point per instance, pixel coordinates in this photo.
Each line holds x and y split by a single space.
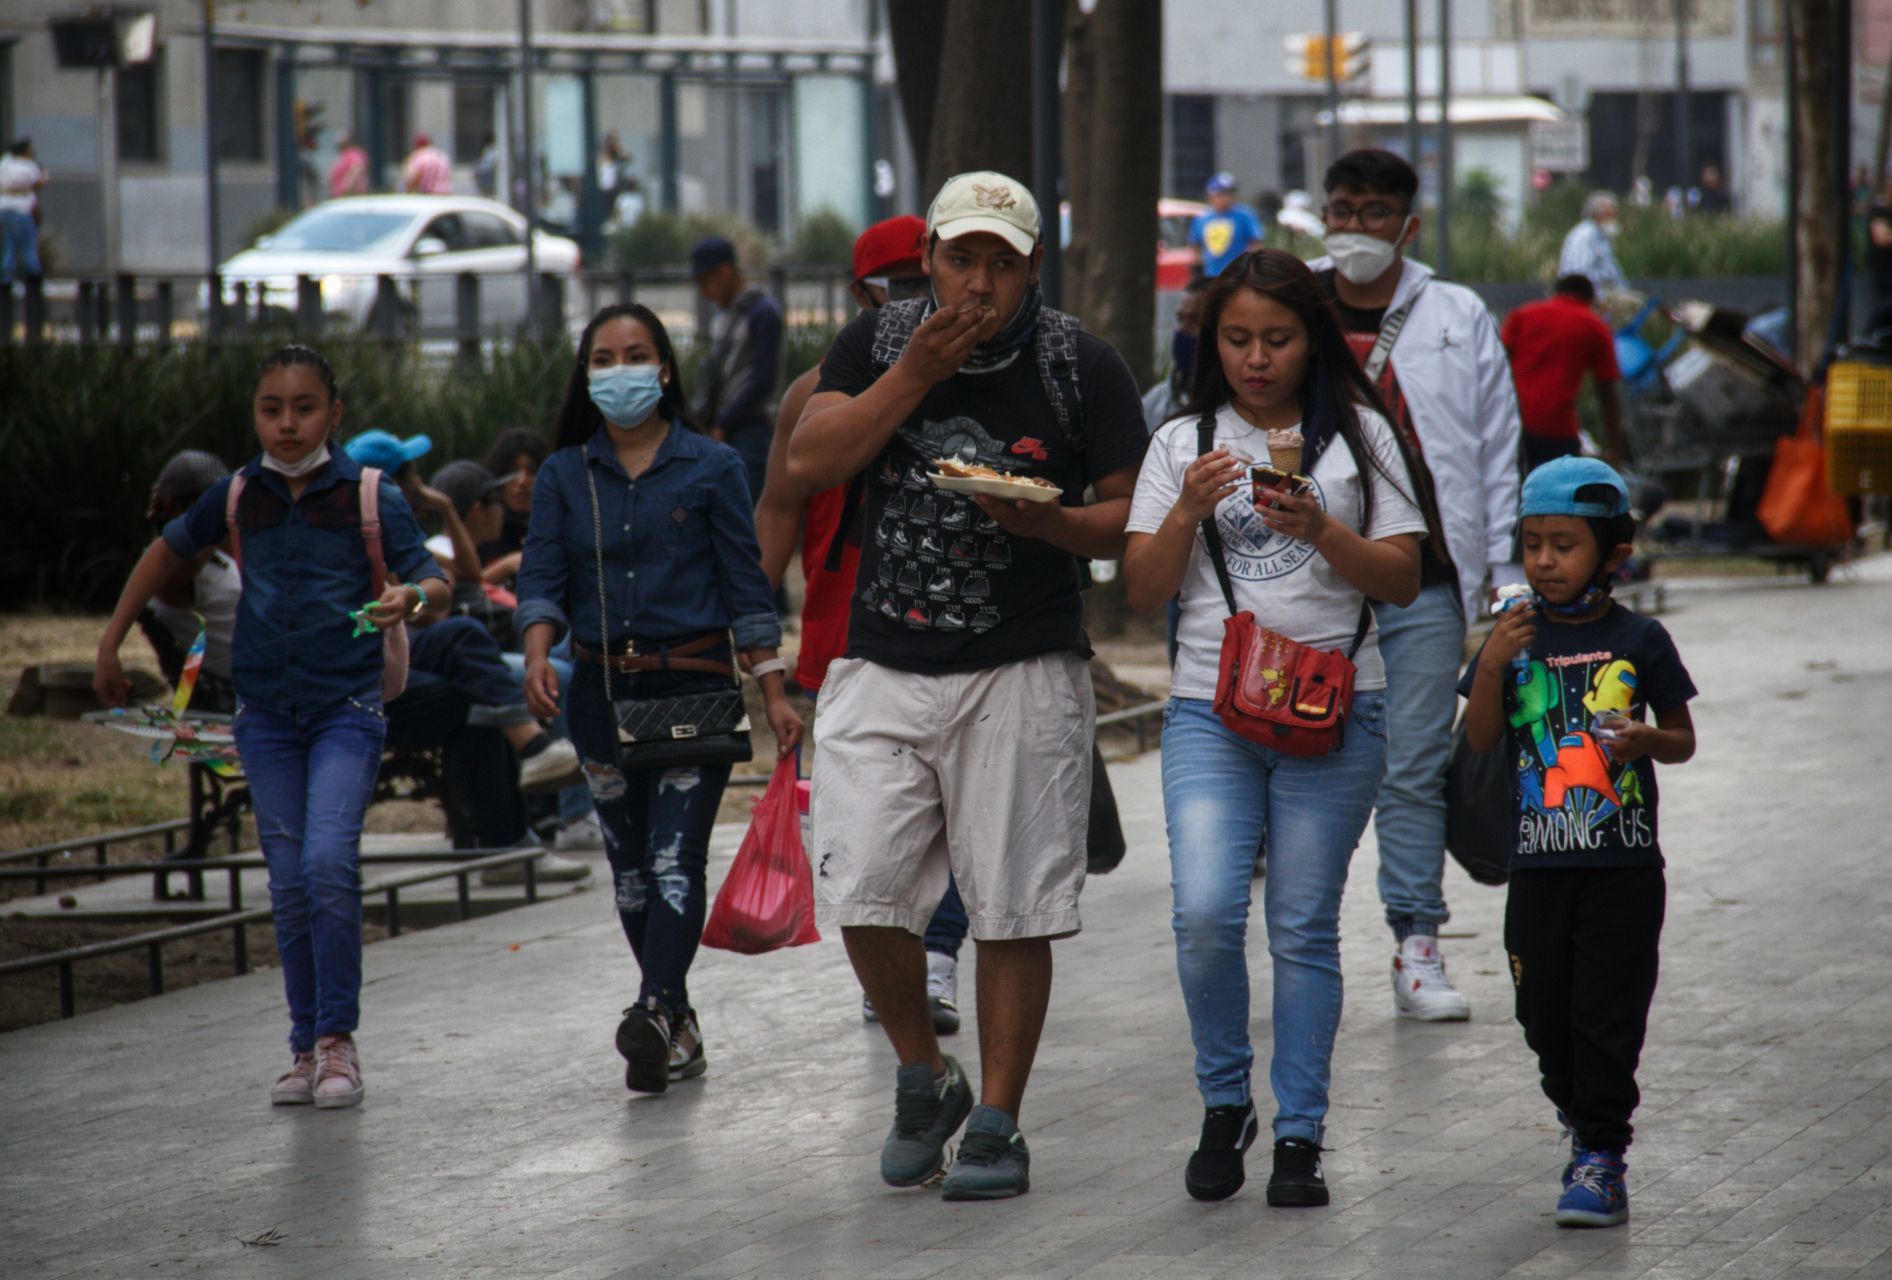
987 773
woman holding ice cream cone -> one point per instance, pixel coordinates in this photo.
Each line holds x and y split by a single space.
1305 541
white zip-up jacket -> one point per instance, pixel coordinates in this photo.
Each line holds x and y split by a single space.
1456 379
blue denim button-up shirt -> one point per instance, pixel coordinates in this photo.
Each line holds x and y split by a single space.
305 569
680 553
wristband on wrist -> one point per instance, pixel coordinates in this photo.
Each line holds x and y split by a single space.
773 666
420 600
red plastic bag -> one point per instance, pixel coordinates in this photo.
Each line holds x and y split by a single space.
768 900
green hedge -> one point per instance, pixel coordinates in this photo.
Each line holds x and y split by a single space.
85 431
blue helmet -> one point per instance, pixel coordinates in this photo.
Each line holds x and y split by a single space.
1551 490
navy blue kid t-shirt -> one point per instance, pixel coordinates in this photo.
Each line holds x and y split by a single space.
1576 806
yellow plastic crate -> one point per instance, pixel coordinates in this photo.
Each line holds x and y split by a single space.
1858 428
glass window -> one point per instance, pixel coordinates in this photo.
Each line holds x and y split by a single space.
474 119
140 111
449 230
489 231
336 228
240 100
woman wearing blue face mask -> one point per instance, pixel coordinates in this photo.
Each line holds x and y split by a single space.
642 543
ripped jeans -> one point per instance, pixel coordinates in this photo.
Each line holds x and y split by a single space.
656 834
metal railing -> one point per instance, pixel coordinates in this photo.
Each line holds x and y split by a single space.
43 854
238 919
156 309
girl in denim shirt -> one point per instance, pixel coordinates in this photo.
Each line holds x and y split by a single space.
309 723
642 544
1303 560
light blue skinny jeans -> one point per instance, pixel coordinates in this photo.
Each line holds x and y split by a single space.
1220 793
1423 648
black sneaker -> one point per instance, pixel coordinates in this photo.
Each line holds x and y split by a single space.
644 1040
1215 1170
927 1110
686 1048
1296 1181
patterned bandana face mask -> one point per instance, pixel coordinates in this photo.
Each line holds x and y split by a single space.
998 351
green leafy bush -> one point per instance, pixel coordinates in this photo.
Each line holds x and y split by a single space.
824 239
660 240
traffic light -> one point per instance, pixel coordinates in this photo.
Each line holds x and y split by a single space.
1351 54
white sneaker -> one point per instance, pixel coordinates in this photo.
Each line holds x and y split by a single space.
556 766
582 836
551 867
1420 988
942 992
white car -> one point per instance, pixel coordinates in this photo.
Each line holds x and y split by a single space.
423 242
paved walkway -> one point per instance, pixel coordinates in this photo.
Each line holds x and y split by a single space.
497 1139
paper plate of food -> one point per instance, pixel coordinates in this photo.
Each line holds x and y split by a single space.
970 477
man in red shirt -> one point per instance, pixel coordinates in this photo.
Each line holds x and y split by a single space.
1552 344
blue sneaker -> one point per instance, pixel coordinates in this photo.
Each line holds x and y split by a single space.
993 1161
926 1110
1595 1195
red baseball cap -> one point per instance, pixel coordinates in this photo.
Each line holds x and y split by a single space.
897 242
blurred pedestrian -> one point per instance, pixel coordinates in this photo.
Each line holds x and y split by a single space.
742 379
348 175
20 181
1879 258
1587 250
1226 230
427 171
1160 401
1710 195
486 171
1553 343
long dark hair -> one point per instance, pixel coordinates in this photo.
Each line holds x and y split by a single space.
510 443
1333 386
579 419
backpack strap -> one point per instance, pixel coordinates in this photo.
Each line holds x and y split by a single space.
1055 347
230 517
371 526
1375 363
1205 441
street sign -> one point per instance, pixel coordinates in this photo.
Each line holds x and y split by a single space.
1560 146
1308 55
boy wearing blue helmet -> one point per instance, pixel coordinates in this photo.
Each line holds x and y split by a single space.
1566 683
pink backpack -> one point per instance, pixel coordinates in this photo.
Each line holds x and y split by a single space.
394 638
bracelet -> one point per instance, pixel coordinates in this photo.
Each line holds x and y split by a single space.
420 600
774 666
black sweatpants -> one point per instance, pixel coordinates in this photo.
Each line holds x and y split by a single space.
1583 946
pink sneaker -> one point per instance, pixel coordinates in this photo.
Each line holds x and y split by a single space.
296 1086
338 1072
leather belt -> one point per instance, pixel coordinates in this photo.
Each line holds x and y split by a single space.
676 657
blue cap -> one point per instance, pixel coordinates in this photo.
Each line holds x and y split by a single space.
387 452
1551 490
709 254
1219 183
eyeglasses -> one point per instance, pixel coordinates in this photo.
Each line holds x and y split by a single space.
899 288
1372 217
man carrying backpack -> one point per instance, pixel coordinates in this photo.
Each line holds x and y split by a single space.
958 727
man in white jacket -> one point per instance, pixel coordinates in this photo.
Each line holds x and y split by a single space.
1433 350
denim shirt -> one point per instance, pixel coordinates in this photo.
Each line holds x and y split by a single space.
305 569
680 553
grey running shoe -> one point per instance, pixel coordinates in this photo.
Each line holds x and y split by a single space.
686 1048
994 1162
926 1111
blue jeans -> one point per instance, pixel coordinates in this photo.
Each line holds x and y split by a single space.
19 245
460 649
1220 792
1423 646
657 827
311 776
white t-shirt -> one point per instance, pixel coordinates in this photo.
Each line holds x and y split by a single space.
1288 585
18 177
218 584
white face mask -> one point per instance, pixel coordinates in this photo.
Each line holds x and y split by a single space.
296 470
1610 228
1361 258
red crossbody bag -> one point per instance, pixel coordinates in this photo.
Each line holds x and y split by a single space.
1269 689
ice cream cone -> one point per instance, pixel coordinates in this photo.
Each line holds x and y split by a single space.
1284 451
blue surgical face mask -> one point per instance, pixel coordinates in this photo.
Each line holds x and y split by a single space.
1182 353
626 393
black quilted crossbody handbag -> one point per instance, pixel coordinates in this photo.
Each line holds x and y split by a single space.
678 731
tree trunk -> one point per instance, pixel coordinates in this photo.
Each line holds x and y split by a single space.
916 29
982 112
1113 165
1812 49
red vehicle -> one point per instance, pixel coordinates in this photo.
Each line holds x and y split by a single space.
1176 258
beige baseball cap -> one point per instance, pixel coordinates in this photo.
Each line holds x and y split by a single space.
985 202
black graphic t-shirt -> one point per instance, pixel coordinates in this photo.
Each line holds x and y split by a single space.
941 586
1576 806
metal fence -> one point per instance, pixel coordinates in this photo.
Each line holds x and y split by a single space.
465 309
